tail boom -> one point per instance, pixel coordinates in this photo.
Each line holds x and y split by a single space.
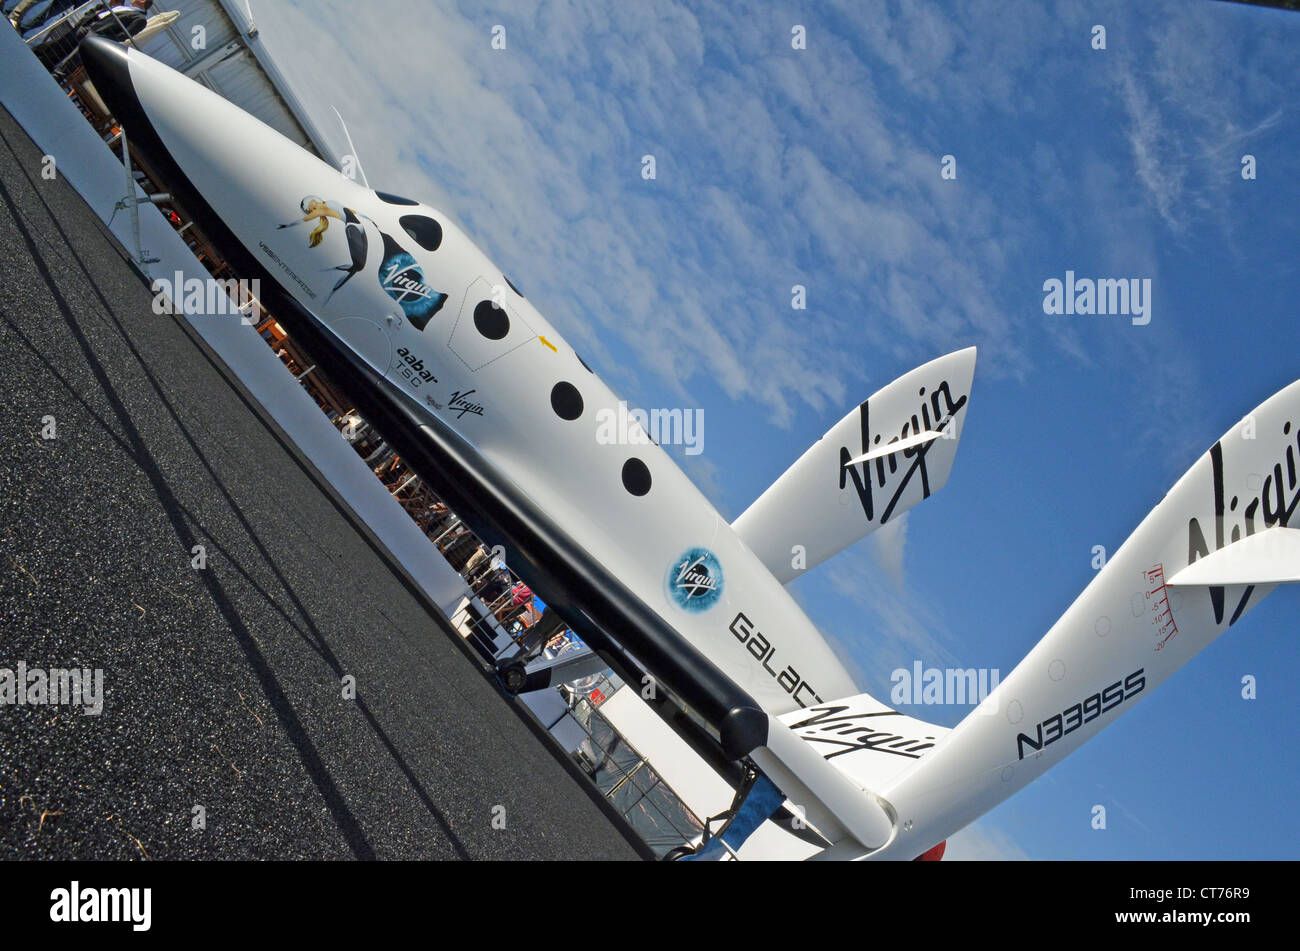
1173 587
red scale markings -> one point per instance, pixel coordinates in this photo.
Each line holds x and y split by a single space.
1158 594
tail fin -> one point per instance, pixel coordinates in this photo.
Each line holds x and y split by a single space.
1213 548
850 482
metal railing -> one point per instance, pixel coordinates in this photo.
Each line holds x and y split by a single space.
54 41
657 814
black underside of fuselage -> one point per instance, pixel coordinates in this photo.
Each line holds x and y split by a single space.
591 600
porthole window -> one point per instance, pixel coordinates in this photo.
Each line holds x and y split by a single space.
512 285
491 321
636 477
566 400
426 232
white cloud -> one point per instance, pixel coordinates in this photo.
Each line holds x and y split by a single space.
1155 153
894 628
774 167
1196 97
887 545
981 842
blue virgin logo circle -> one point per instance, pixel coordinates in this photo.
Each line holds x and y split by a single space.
694 581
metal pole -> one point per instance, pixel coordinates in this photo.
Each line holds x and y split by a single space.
130 40
130 198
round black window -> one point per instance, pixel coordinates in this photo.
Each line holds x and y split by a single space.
426 232
492 321
566 401
636 477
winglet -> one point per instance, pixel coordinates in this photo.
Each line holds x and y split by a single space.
898 445
1268 557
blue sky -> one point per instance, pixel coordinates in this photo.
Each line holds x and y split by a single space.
821 167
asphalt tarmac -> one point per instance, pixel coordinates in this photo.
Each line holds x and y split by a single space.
223 695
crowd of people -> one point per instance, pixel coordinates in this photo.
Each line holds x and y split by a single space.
513 604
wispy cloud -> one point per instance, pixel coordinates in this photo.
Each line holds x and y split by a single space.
1155 155
887 547
1196 98
774 167
893 626
981 842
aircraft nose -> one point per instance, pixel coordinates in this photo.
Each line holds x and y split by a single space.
107 66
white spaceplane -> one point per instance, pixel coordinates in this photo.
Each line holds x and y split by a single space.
490 405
